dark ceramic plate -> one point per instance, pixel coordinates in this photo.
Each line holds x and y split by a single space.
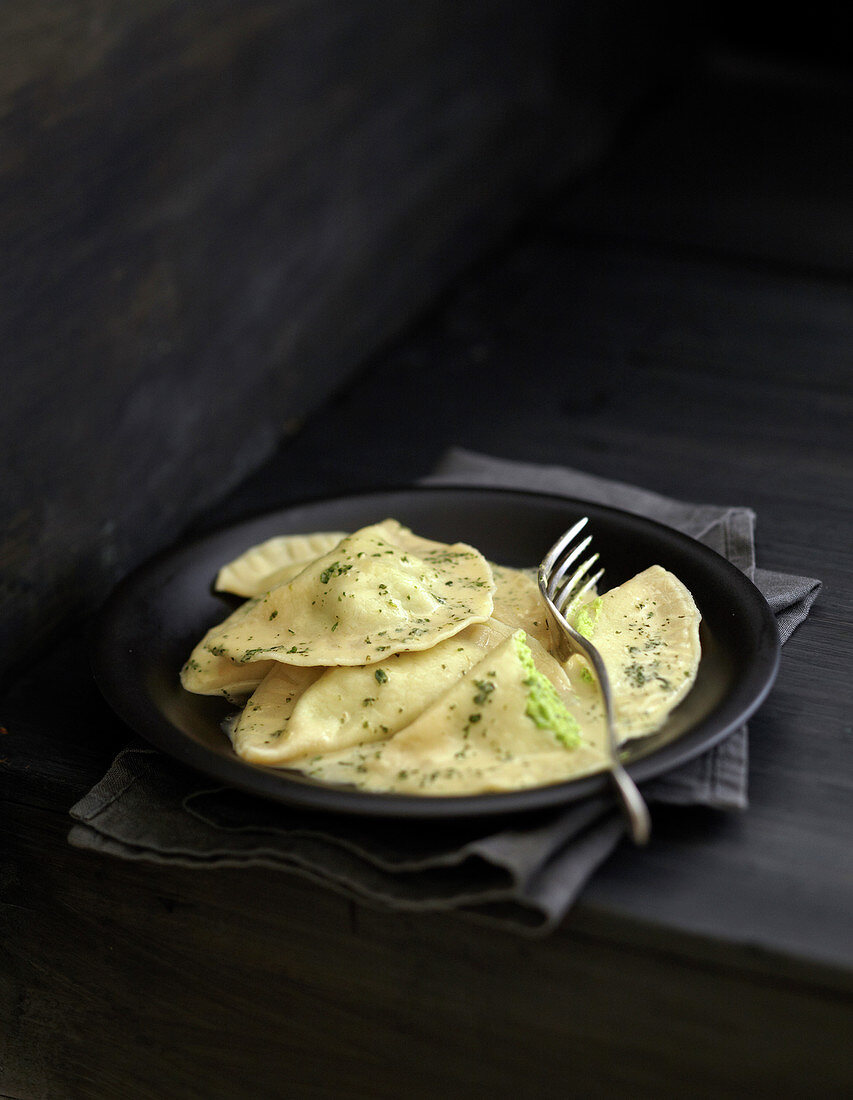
155 617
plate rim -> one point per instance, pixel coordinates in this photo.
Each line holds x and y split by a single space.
133 707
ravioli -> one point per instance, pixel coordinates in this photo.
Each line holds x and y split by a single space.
273 562
359 603
207 673
491 730
279 559
339 707
393 662
210 671
263 722
647 632
517 603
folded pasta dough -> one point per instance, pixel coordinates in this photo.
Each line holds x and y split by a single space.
273 562
361 602
647 632
281 558
263 721
504 725
207 673
517 603
398 663
348 705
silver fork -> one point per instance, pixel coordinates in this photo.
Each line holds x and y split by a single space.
561 593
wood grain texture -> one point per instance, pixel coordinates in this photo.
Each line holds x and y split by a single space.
299 993
211 213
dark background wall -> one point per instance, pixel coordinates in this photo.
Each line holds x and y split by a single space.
210 213
820 35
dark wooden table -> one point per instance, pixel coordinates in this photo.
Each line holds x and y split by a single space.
682 320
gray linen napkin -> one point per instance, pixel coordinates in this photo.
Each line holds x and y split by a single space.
525 875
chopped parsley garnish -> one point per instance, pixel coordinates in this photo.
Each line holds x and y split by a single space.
485 689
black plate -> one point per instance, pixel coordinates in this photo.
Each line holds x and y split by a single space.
154 619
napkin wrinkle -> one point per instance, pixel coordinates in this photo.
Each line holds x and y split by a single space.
790 598
433 844
556 886
354 882
297 850
716 779
528 851
117 781
522 852
366 844
524 875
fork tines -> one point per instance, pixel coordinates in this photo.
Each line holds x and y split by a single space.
564 592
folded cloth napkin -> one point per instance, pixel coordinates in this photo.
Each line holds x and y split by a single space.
525 874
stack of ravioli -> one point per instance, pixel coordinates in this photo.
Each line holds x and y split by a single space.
391 662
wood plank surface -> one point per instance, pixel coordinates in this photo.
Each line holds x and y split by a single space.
144 982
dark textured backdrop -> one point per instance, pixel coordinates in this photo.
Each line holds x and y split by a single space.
210 213
705 357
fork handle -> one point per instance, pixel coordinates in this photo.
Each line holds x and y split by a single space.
634 807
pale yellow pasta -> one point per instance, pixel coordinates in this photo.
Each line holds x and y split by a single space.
361 602
517 603
478 736
279 559
647 632
393 662
206 673
263 721
273 562
347 705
